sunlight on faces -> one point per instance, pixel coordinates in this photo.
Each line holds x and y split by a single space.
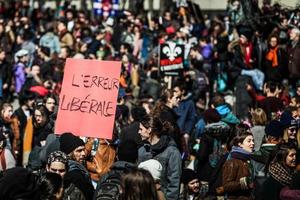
248 144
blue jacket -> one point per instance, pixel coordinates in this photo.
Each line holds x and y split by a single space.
187 115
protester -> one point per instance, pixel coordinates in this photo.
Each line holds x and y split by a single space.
207 81
191 185
237 180
77 174
163 148
138 184
281 171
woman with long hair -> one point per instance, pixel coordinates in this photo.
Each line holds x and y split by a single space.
164 109
281 172
138 184
160 146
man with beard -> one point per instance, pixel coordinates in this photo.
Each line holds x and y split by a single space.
191 185
77 173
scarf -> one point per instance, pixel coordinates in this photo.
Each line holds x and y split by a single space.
247 50
272 56
281 174
240 153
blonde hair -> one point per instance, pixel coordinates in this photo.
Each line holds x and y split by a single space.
286 136
259 117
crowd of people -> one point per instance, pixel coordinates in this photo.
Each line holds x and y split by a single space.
227 127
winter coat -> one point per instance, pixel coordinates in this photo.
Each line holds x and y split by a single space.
204 168
7 160
271 189
187 115
79 176
66 39
233 170
294 61
166 152
276 73
19 76
51 41
258 132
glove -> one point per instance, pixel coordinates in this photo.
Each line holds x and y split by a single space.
243 183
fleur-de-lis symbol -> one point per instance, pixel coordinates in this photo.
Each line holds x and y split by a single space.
171 51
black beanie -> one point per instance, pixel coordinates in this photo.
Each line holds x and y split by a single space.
274 128
188 175
69 142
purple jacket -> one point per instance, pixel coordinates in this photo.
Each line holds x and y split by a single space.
287 194
206 52
20 77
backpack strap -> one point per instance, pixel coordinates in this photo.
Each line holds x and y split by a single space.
2 159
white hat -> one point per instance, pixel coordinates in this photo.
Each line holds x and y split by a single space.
20 53
153 166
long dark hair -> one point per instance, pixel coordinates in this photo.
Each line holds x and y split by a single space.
45 114
158 127
138 184
279 156
163 100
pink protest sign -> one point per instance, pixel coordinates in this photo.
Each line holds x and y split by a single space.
88 98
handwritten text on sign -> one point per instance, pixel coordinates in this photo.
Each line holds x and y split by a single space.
88 98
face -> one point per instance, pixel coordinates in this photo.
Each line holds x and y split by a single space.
174 100
194 186
293 35
248 144
35 70
79 154
243 39
292 132
291 159
7 113
177 92
144 132
61 26
273 42
50 104
39 117
58 168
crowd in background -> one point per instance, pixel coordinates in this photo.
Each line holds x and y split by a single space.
226 128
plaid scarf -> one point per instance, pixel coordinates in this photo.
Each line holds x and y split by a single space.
281 174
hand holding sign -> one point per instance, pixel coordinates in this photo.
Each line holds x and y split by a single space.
88 98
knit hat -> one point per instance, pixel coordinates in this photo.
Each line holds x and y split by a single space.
211 115
69 142
286 119
245 31
188 175
18 183
57 156
274 128
153 166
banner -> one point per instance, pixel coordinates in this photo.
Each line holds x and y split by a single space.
88 98
171 59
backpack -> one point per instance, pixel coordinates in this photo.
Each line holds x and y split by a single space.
109 188
73 192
